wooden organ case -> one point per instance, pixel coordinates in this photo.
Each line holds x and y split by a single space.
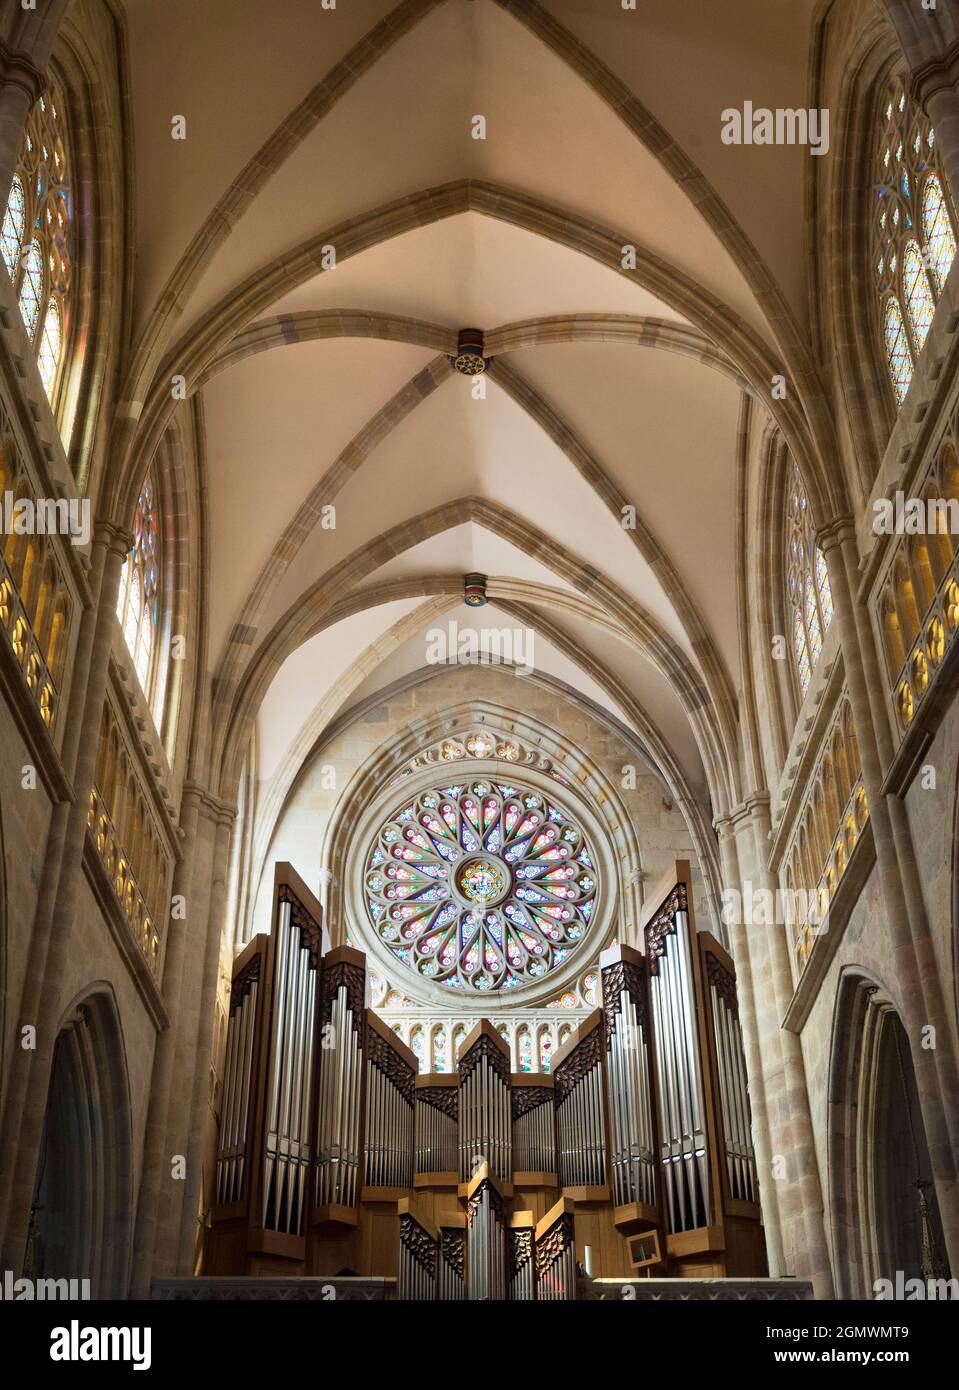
632 1156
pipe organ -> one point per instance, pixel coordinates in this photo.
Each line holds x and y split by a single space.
335 1157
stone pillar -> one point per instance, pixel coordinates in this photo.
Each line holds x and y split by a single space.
181 1121
747 996
801 1195
157 1156
935 86
41 1003
21 82
201 1117
915 976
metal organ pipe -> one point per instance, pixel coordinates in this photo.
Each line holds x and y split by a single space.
633 1162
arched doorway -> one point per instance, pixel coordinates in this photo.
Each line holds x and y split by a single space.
885 1214
81 1215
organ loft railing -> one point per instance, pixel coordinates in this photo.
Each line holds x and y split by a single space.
634 1153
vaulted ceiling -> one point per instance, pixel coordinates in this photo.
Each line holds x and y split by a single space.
333 386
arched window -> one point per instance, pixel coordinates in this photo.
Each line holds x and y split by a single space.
138 601
808 595
914 237
37 234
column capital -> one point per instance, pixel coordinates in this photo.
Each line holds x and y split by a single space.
937 74
835 533
17 70
116 540
207 804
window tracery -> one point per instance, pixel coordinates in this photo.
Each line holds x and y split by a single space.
808 593
914 237
37 233
138 599
481 885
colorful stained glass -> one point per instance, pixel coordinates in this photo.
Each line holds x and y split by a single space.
938 236
824 588
524 1048
898 355
813 627
545 1051
801 651
920 305
418 1046
51 339
31 287
808 596
138 601
909 195
482 886
40 199
14 225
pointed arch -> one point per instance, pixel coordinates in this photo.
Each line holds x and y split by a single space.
81 1222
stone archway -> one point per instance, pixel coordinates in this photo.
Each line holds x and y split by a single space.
82 1209
884 1212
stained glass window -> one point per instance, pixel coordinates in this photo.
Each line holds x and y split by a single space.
481 886
920 305
50 340
14 226
898 355
937 234
524 1048
808 594
31 287
441 1058
545 1051
138 601
914 239
37 233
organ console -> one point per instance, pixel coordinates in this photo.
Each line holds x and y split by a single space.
336 1156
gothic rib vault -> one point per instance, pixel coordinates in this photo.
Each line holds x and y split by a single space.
659 476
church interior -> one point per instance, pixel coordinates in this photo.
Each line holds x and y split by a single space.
479 624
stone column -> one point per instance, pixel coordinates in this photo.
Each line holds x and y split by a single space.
157 1156
915 977
935 86
21 82
201 1119
801 1195
181 1121
41 1004
748 997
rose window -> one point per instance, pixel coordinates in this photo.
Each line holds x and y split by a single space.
482 886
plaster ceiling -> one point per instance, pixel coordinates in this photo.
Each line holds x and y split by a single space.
659 428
